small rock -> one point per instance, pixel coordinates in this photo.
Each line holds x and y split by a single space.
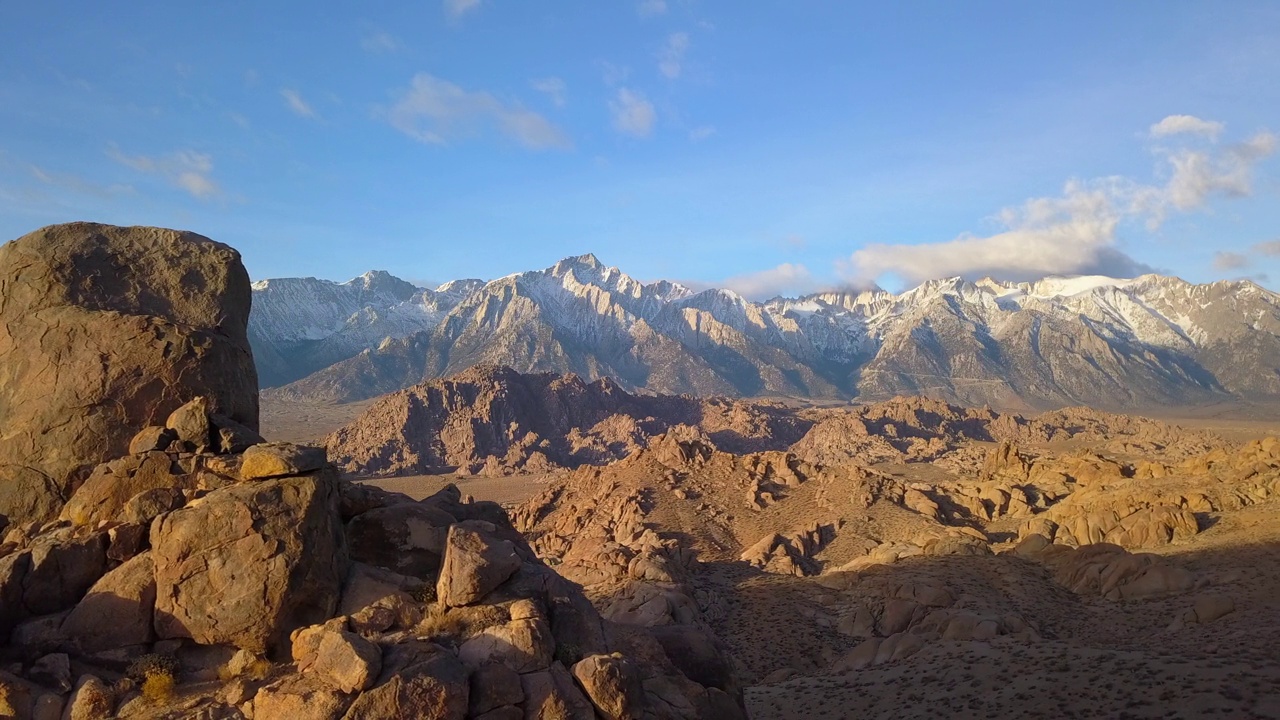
155 437
231 436
92 700
190 423
612 684
271 460
343 659
53 671
1208 608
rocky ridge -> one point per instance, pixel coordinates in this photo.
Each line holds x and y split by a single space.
194 579
493 420
957 532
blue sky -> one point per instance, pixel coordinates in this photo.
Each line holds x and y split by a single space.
768 146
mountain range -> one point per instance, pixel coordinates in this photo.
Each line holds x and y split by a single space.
1116 343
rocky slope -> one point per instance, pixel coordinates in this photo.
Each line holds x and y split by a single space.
1097 341
1001 566
494 420
191 580
104 329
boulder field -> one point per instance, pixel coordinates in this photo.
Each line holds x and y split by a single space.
262 585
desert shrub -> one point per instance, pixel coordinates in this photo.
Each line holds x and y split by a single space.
158 687
455 625
568 653
424 593
158 675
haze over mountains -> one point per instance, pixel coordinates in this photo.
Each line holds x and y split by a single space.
1154 340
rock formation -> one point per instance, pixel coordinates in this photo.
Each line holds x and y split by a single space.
104 330
494 420
263 585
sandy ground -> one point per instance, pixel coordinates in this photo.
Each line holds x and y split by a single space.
305 422
504 490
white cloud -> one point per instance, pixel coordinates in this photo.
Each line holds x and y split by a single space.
1186 124
75 183
382 43
436 111
185 169
701 132
652 8
786 279
552 87
1227 260
458 8
1071 234
239 119
1271 248
1076 232
633 114
295 103
1197 174
613 74
671 56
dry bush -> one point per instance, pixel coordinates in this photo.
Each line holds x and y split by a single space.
455 625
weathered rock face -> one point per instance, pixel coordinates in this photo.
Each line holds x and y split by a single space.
251 562
105 330
493 420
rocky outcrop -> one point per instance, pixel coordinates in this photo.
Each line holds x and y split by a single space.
494 421
105 330
245 591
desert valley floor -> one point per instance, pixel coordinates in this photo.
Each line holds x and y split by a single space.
911 559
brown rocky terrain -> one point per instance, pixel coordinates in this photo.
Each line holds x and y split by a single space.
493 420
257 584
104 330
679 557
912 559
190 569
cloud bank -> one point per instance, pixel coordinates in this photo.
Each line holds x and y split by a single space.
1075 233
1184 124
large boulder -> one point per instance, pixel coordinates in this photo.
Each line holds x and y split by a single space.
418 680
117 612
104 330
475 563
248 564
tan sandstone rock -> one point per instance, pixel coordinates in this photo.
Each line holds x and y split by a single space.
101 334
475 563
118 610
248 564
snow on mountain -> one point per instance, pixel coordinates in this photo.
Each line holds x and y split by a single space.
1098 340
300 325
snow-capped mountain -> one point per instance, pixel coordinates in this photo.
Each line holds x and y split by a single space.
300 325
1091 340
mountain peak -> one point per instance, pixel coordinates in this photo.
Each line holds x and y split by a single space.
587 260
